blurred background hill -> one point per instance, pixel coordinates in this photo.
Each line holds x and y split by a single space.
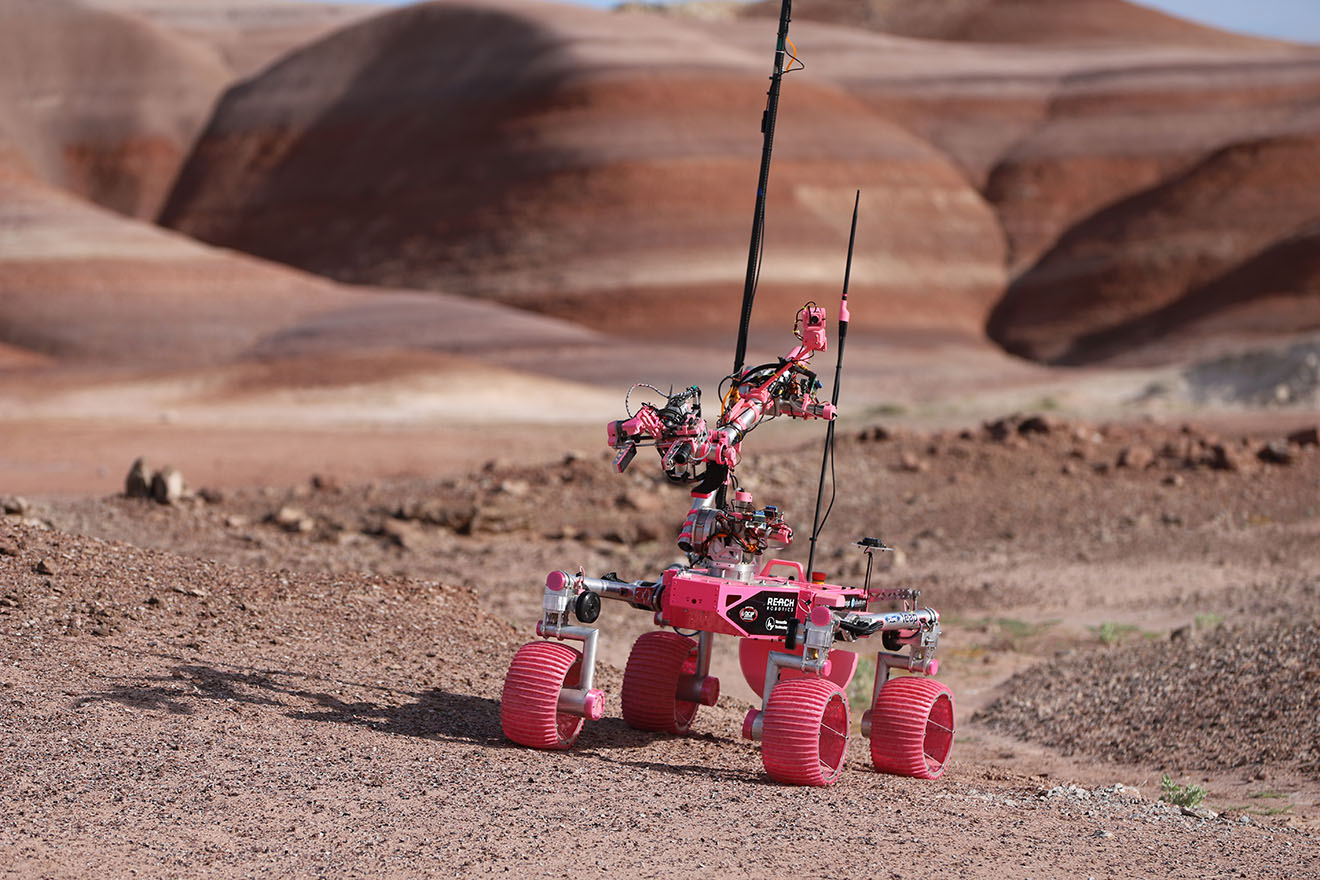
422 203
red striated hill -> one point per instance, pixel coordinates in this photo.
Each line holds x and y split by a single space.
1233 235
594 164
1039 22
102 104
246 34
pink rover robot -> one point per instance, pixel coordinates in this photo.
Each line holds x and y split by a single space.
788 623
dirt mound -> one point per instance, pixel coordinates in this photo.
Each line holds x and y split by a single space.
1237 696
510 152
1091 22
103 104
1176 254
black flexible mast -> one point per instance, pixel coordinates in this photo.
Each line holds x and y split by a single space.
816 523
758 216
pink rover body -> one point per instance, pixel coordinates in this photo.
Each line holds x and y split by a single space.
788 624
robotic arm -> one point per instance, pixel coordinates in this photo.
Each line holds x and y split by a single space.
683 438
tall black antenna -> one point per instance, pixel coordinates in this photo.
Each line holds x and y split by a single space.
758 216
817 523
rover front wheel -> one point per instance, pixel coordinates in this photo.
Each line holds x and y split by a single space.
912 727
529 706
804 735
657 662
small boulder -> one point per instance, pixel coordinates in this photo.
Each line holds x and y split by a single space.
1276 452
167 486
878 434
1035 425
15 505
292 519
1138 457
1229 457
48 566
138 482
211 495
325 483
1306 436
908 461
1001 429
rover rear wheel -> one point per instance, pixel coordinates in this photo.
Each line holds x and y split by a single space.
529 706
804 735
912 727
650 683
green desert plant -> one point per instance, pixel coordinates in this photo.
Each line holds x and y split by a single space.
859 689
1180 795
1111 633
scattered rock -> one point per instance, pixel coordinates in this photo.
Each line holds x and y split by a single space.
48 566
138 482
908 461
1174 480
459 519
514 488
1001 429
15 505
1035 425
878 434
1276 452
1199 812
325 483
211 496
167 486
1138 457
1229 457
292 519
1306 436
236 521
8 547
402 533
190 591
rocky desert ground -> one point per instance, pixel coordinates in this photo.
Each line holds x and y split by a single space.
362 286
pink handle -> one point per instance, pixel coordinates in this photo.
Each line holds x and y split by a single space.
774 563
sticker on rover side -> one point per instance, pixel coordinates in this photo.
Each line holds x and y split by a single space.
765 614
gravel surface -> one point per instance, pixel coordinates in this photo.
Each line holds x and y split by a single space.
1237 696
231 721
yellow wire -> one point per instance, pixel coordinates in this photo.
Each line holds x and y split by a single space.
793 53
726 403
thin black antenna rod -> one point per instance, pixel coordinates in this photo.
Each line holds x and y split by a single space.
758 216
816 523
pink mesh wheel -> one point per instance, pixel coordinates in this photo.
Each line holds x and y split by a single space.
650 683
804 737
912 727
529 706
